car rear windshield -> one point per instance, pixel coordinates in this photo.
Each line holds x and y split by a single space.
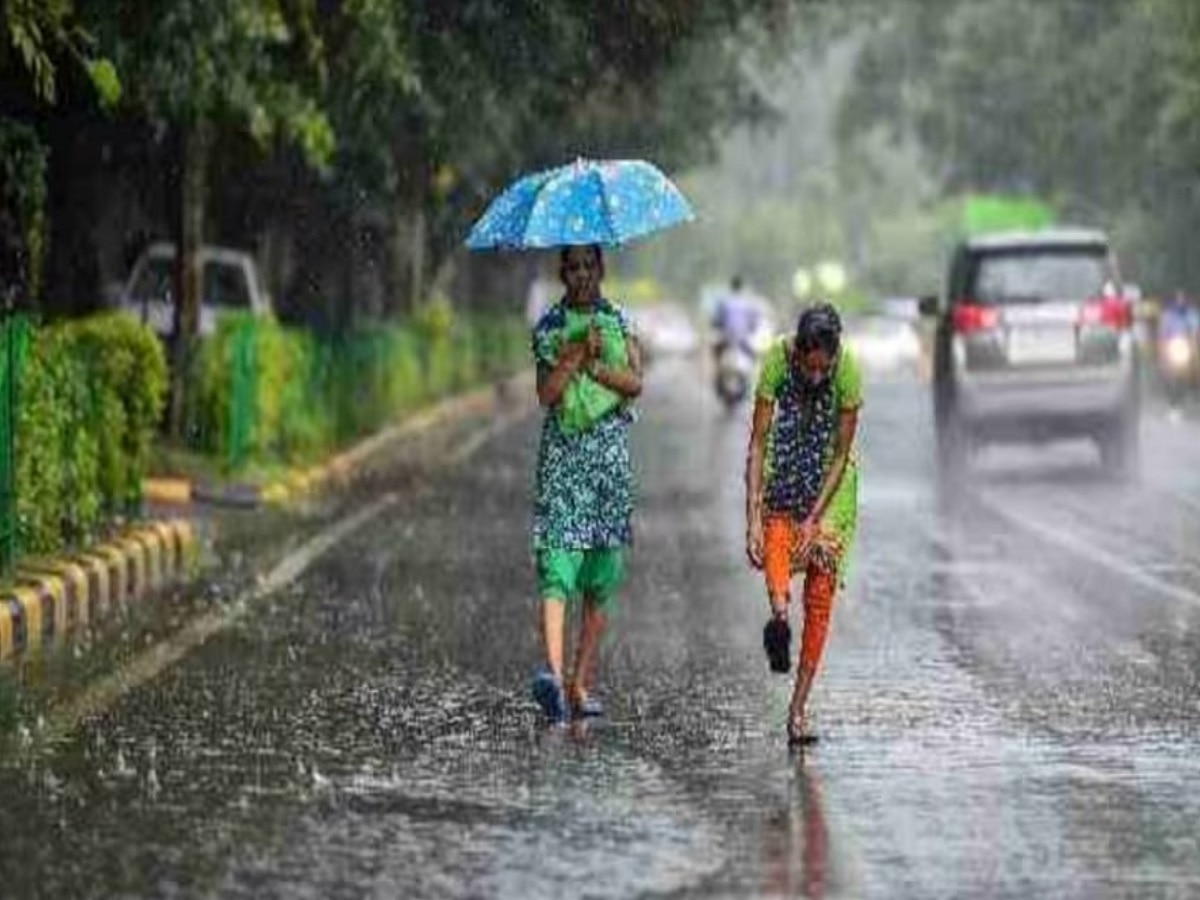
1021 276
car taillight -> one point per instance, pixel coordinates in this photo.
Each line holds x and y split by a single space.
971 317
1111 312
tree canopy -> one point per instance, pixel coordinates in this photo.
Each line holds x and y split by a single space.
406 113
1091 105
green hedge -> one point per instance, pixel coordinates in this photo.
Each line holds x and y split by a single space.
91 393
263 393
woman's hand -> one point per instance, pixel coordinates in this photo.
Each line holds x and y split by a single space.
575 355
806 533
754 542
572 358
625 380
595 343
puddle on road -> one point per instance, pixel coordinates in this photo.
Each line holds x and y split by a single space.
567 817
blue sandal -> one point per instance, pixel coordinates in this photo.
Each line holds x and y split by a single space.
548 692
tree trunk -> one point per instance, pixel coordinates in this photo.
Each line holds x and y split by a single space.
407 263
194 150
416 282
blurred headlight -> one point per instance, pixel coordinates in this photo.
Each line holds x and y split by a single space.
1179 352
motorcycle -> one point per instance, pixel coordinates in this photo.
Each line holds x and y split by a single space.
737 366
1178 367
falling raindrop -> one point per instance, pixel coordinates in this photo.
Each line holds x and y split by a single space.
319 781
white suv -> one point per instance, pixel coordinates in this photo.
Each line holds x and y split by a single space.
230 281
1035 342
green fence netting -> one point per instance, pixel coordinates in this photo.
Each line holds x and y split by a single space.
14 343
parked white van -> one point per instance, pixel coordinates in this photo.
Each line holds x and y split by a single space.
230 282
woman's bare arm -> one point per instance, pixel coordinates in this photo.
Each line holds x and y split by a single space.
551 385
764 411
625 380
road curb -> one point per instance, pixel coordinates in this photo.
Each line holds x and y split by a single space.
55 597
337 471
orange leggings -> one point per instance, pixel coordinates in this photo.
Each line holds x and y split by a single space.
819 589
820 585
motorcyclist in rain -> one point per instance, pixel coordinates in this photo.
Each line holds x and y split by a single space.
736 318
1178 316
1178 346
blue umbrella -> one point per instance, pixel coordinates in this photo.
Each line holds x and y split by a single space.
586 202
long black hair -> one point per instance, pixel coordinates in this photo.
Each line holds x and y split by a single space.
819 328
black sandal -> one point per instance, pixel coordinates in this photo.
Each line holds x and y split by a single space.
777 642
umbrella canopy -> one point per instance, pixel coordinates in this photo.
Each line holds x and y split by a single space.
605 202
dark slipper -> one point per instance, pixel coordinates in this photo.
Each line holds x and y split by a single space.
548 692
585 706
777 642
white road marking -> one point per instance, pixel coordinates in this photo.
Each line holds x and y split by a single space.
159 658
475 442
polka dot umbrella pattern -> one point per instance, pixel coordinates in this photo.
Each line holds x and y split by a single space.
607 202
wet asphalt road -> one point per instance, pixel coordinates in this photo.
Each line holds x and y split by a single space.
1010 705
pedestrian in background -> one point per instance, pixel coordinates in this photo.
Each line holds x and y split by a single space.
802 489
588 371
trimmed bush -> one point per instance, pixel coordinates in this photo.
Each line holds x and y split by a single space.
306 428
262 393
126 370
49 416
243 389
90 396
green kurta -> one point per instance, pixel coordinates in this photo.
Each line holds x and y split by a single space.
787 466
584 494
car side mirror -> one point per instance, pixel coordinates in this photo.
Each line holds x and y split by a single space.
928 306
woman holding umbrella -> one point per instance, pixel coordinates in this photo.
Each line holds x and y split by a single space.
802 488
588 372
584 489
